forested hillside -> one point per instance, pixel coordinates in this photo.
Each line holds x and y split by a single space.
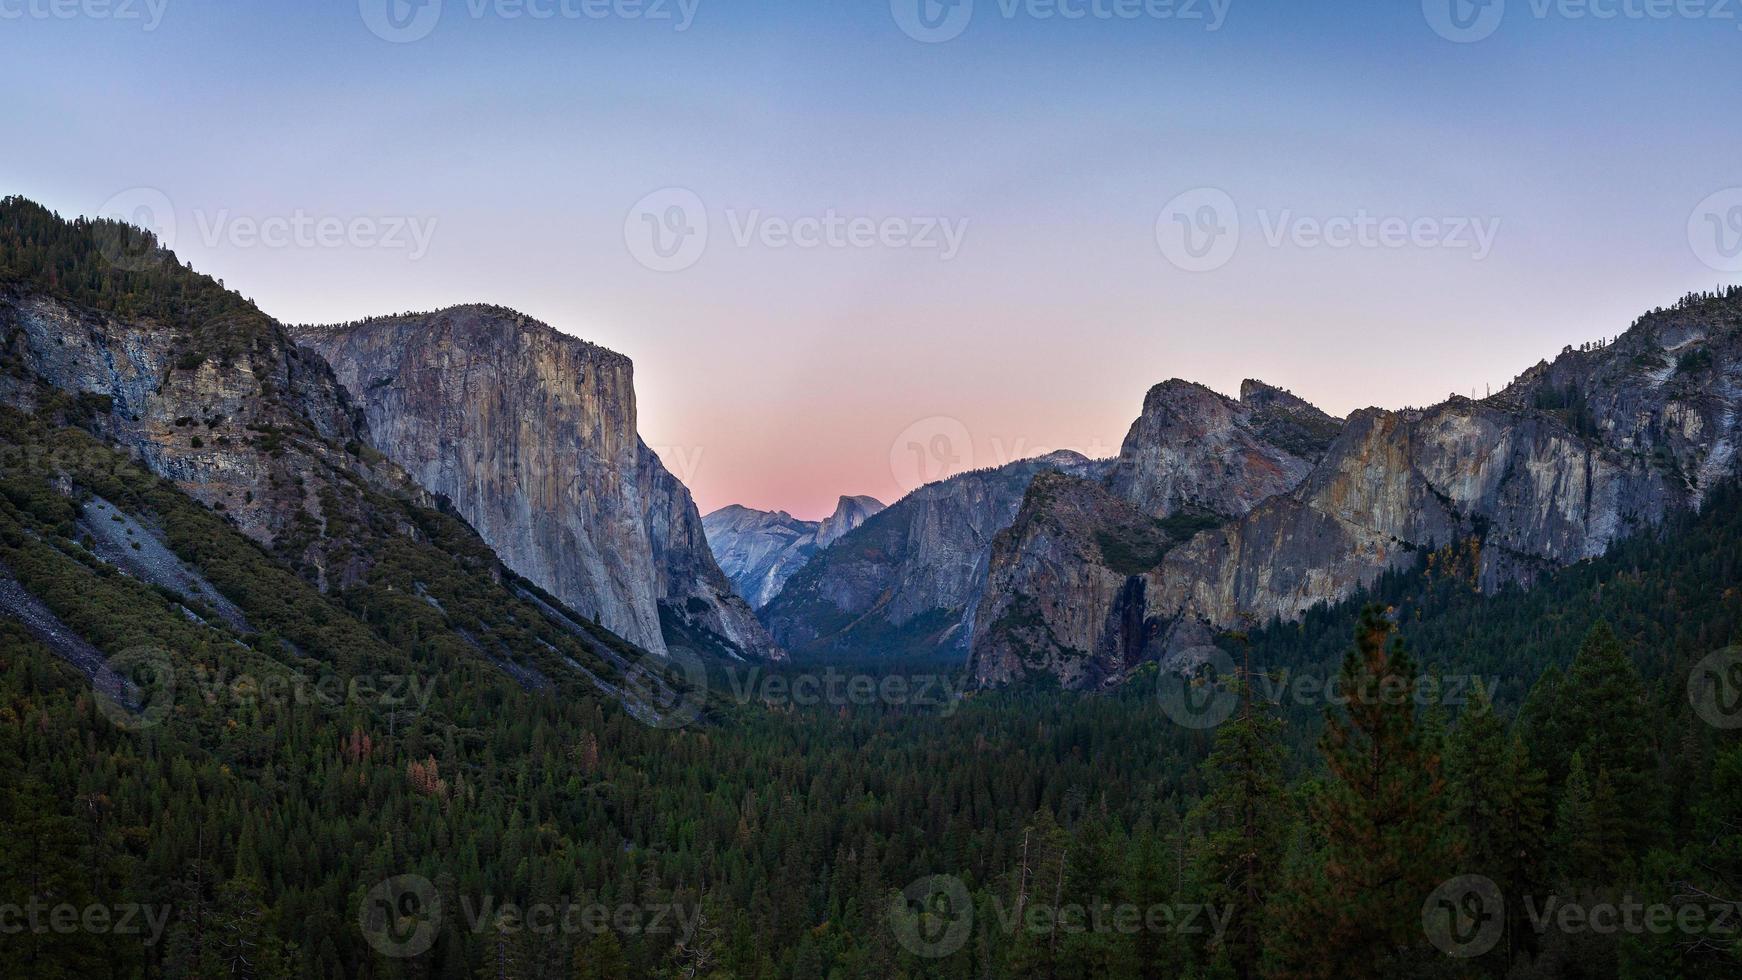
220 761
263 822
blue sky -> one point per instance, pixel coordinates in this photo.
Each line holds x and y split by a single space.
524 151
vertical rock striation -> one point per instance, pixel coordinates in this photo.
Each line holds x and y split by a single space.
531 435
908 582
760 550
1604 442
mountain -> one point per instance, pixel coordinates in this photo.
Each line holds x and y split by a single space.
1194 450
1604 442
530 434
759 550
1066 595
165 432
908 581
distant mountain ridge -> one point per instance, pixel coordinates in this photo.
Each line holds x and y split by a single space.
909 580
760 550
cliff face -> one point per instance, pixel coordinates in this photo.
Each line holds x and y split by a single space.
910 579
1072 583
231 412
1603 442
1066 594
1194 450
531 435
760 550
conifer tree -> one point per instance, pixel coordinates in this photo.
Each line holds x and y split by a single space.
1244 816
1382 816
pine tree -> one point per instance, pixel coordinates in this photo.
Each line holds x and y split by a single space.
1476 760
1245 818
1383 820
601 958
1603 711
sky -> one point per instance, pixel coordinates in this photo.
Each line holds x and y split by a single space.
855 246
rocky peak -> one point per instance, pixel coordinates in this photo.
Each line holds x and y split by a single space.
1195 450
849 513
909 579
531 433
760 550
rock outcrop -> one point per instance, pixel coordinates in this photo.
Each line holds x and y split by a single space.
1072 583
908 581
1066 594
229 410
531 435
760 550
1574 455
1196 451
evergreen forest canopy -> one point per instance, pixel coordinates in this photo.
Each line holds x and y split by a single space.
275 813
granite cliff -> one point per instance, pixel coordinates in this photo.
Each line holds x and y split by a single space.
530 434
1603 442
908 581
760 550
189 445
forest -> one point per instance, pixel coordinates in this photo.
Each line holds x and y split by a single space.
298 783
